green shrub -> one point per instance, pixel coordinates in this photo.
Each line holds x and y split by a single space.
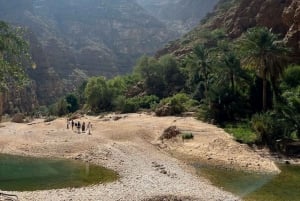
292 76
73 103
60 108
187 136
175 105
129 105
224 105
270 128
242 133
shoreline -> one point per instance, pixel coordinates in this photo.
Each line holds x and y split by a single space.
129 145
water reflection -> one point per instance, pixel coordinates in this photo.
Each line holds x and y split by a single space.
27 174
258 187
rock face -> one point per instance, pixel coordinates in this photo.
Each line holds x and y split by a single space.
73 39
179 15
236 16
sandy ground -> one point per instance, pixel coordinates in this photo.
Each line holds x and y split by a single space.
129 144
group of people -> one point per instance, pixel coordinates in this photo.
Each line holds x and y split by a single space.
80 127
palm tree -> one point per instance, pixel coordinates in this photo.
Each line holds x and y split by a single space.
263 53
204 65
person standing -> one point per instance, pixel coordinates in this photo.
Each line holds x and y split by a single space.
68 122
83 127
72 123
78 127
89 127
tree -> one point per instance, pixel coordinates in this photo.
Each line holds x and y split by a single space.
171 75
151 72
13 50
98 95
199 72
73 103
263 53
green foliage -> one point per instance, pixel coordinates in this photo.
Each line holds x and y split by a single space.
242 133
161 77
60 108
72 102
151 72
270 128
117 85
292 76
225 106
187 136
13 50
263 53
129 105
98 94
175 105
172 75
41 111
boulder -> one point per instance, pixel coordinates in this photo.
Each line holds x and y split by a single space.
18 118
170 132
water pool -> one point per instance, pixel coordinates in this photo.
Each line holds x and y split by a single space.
256 187
19 173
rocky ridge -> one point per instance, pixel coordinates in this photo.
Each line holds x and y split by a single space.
179 15
236 16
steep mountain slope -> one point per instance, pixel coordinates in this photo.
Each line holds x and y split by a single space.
73 39
180 15
236 16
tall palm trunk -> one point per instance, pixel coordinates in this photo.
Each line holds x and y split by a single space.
264 95
1 105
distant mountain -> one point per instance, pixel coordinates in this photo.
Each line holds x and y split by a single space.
179 15
74 39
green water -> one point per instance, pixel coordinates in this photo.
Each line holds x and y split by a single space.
28 174
257 187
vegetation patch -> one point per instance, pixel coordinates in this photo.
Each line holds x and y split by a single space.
242 133
187 136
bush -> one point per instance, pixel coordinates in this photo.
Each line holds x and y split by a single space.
60 108
187 136
73 103
292 76
242 133
270 128
224 106
128 105
175 105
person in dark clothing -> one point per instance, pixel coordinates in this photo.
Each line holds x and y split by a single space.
83 127
72 123
78 127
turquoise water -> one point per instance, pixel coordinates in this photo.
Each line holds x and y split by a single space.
256 187
28 174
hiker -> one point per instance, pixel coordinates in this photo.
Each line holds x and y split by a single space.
68 122
89 127
72 123
78 127
83 127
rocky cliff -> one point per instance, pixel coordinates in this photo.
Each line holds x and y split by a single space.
236 16
73 39
179 15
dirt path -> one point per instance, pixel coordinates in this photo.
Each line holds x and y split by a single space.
130 146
